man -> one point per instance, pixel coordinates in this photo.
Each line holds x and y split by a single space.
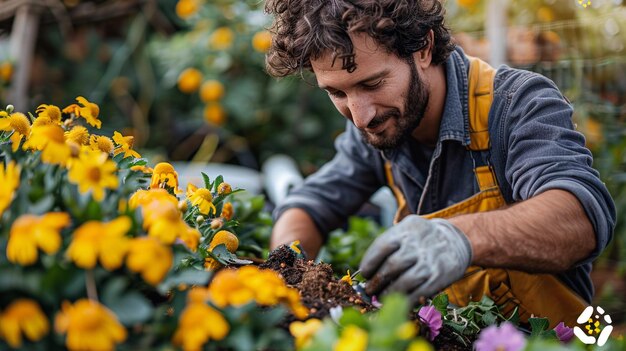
496 192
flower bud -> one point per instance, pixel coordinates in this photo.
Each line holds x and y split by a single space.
224 189
217 223
182 205
200 219
10 109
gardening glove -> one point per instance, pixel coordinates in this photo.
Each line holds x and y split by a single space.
418 257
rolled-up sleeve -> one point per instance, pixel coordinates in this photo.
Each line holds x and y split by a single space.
341 186
546 152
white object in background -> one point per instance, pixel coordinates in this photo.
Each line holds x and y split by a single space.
384 199
280 174
238 177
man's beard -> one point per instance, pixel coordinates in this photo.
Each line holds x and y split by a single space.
416 100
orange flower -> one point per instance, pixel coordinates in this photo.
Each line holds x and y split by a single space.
18 123
262 41
49 138
222 38
125 145
211 90
99 240
149 257
23 316
49 111
198 324
186 8
89 326
164 175
9 182
30 232
227 211
144 197
85 109
189 80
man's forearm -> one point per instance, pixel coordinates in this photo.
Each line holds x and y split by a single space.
296 224
547 233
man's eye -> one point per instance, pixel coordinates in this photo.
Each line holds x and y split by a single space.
336 93
372 85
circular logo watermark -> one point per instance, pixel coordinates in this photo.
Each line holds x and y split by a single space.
593 333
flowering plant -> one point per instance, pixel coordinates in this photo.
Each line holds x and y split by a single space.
98 249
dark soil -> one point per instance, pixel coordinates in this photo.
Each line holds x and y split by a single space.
320 291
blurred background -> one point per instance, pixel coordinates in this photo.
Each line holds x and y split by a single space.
186 79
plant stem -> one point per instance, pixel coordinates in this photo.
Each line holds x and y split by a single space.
90 283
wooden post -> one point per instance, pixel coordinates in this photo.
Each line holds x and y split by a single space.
21 50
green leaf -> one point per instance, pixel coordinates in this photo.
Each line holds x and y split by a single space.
351 316
207 180
225 257
42 206
537 326
186 276
489 318
441 303
130 308
219 180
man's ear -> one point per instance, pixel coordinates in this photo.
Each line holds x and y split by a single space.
424 57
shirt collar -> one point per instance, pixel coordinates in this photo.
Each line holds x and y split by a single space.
454 121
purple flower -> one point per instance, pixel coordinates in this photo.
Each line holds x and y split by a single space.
375 302
503 338
563 332
431 318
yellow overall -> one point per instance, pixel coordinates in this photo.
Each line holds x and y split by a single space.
539 295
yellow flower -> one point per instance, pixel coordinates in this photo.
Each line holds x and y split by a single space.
262 41
163 221
352 338
144 197
149 257
9 182
406 330
303 332
224 189
93 171
203 198
198 324
101 143
191 238
89 325
23 316
49 111
211 90
189 80
468 3
225 237
51 140
227 289
222 38
85 109
347 278
213 113
125 145
142 168
164 174
98 240
420 345
227 211
6 71
78 134
19 124
42 121
30 232
186 8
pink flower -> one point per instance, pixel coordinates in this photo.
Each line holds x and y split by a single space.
503 338
431 318
563 332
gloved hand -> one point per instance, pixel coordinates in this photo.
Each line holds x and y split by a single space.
418 257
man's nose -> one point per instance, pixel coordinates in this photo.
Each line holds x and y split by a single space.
361 110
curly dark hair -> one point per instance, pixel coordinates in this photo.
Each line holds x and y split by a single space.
305 29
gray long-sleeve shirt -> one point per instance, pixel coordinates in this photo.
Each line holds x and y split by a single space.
534 148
